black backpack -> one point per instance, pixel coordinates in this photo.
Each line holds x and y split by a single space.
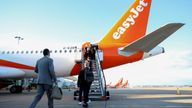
88 75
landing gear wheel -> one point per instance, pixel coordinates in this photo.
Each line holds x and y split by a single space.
108 95
16 89
13 89
76 95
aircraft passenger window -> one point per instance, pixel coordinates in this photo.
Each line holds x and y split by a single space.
27 52
41 51
12 52
55 51
75 50
70 51
79 50
60 51
36 52
7 52
3 52
65 51
17 52
31 52
22 52
50 51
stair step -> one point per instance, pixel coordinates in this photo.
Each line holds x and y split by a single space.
95 83
95 94
96 78
96 86
95 89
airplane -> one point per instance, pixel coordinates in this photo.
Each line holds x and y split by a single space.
117 85
126 42
124 85
109 84
66 83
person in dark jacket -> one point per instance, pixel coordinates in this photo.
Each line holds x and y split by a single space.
92 53
86 53
83 85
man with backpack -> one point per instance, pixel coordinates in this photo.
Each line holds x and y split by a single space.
85 80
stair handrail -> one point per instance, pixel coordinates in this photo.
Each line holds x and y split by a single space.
102 80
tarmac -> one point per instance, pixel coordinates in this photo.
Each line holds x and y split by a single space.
119 98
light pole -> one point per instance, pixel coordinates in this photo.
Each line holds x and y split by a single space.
18 38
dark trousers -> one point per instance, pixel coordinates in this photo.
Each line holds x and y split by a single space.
80 94
84 89
41 88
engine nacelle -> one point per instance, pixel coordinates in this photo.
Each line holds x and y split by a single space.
7 72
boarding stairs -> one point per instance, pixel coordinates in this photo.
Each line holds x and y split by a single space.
98 87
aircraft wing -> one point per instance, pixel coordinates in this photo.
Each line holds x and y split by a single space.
148 42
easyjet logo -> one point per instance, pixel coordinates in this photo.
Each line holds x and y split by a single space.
130 19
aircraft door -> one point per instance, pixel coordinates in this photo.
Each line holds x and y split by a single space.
100 54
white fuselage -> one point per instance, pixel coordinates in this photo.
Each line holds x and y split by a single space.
64 60
20 62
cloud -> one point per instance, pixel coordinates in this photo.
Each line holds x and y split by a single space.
183 60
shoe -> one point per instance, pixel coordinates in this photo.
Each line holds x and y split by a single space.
89 101
80 103
85 105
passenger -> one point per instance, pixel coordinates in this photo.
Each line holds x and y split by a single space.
46 78
83 85
92 53
86 54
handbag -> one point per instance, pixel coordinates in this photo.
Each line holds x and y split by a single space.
57 93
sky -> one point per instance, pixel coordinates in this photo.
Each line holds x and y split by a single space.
57 22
